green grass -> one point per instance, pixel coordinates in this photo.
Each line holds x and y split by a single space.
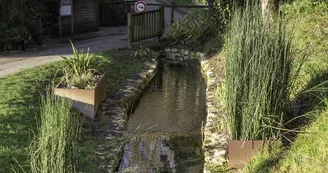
20 103
308 152
55 147
258 68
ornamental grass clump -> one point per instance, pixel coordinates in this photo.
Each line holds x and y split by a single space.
54 149
78 72
258 68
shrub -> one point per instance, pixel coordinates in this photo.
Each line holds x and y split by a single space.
258 68
55 148
200 30
144 53
22 22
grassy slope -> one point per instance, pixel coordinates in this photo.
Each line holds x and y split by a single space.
309 153
20 96
19 109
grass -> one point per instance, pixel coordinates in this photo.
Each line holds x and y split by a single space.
308 150
258 68
55 147
20 105
307 154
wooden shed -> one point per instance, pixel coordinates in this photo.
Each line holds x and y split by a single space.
83 16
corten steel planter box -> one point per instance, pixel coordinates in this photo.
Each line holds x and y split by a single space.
240 152
86 101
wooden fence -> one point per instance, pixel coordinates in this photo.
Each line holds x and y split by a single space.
145 25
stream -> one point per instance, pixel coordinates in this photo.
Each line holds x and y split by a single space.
165 128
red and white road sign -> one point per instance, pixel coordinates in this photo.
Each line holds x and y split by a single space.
140 6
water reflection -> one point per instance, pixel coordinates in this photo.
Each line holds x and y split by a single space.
172 116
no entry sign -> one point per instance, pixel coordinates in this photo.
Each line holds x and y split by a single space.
140 6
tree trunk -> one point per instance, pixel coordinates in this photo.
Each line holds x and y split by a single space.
270 9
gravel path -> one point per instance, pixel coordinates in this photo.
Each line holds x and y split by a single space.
15 63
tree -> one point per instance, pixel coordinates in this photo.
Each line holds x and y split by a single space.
270 9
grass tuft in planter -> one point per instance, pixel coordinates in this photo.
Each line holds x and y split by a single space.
258 68
81 84
55 148
78 72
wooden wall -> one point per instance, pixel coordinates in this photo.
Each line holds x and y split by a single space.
85 17
113 14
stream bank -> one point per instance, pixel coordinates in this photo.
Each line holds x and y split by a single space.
116 108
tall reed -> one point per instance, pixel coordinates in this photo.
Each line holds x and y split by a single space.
54 150
258 68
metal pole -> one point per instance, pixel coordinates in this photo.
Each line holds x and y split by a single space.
130 30
172 13
72 19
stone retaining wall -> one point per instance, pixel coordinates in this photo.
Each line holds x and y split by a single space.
182 56
116 108
113 117
215 144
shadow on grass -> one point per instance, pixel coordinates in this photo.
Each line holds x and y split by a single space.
19 114
266 159
310 99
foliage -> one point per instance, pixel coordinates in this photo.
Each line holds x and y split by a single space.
21 22
144 53
310 29
258 69
80 63
78 72
55 147
307 154
200 30
308 21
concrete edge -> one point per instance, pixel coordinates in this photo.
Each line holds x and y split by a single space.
215 142
116 109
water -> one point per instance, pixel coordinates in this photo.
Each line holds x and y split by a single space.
165 128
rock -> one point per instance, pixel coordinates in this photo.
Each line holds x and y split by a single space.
109 137
191 53
174 50
171 56
200 55
181 51
186 57
186 52
174 62
167 50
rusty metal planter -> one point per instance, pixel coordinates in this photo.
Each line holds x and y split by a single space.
85 101
240 152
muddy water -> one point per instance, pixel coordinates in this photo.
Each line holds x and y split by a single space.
165 128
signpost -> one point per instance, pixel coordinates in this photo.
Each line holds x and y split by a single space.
66 9
140 6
